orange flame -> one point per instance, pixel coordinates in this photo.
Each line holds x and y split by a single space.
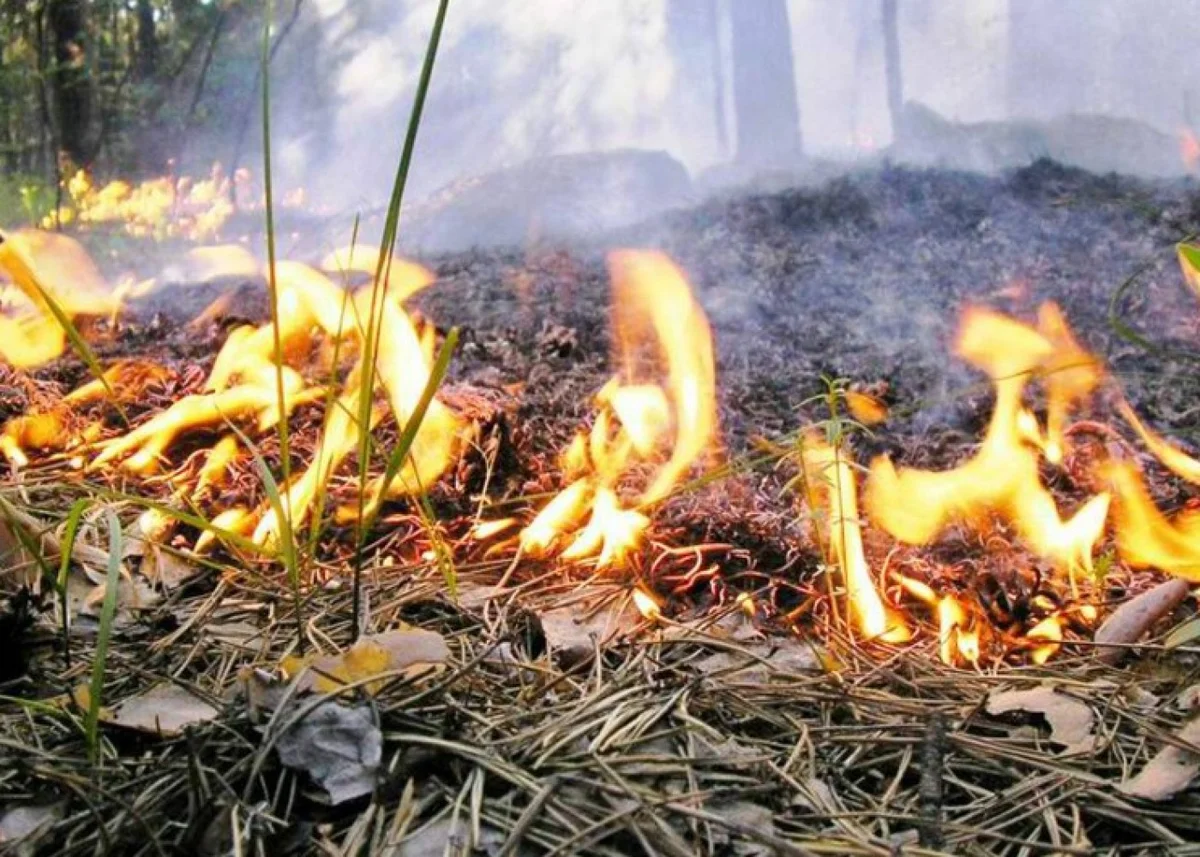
830 470
1189 149
659 330
915 506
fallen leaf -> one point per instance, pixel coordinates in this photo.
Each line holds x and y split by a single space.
1133 619
23 826
1070 720
761 662
1188 632
573 635
165 709
410 651
167 569
1188 698
743 816
1170 771
432 841
340 749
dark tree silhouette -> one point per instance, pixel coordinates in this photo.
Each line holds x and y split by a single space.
147 40
893 71
764 83
71 80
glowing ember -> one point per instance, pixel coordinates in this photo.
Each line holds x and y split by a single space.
643 417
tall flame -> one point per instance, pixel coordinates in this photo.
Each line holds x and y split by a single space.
829 469
660 409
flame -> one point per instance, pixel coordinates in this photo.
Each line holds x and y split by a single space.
163 207
1050 630
1145 538
915 506
51 272
830 470
1189 149
660 331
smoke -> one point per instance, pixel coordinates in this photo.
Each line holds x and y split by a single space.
991 84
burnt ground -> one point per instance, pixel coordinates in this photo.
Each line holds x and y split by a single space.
860 279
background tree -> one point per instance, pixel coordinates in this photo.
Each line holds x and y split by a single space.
764 83
71 79
893 71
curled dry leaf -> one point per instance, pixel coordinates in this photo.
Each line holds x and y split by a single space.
1071 721
1170 771
339 747
165 709
407 651
1133 619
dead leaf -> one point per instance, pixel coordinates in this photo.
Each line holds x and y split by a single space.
743 816
759 663
432 841
165 709
339 747
410 651
23 826
1071 721
1133 619
573 633
1170 771
167 569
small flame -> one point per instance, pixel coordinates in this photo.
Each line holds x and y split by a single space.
1049 629
1189 149
647 605
830 470
659 329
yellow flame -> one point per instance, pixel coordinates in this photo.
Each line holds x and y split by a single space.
1049 629
47 268
1145 538
659 409
1002 478
830 471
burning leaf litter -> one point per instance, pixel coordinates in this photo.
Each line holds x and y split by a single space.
622 731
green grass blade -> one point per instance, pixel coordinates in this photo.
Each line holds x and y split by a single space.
108 611
272 285
64 567
388 247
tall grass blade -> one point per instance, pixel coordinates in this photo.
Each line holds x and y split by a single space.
64 567
397 458
108 612
272 285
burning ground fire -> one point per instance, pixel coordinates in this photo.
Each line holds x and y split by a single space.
359 351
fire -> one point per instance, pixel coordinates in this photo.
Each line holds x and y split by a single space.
915 506
1189 149
643 418
318 319
53 275
1147 539
829 469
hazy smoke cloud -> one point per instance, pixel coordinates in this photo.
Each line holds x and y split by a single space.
518 79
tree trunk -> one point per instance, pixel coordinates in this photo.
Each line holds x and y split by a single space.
147 40
693 35
764 84
892 68
71 82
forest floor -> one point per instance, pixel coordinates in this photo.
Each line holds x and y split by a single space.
549 715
